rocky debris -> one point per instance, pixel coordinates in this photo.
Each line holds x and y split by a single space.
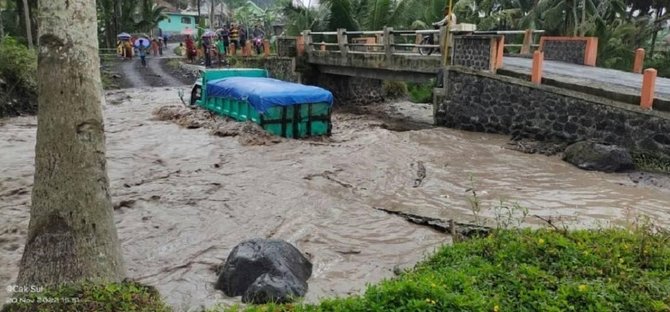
589 155
185 117
441 225
529 146
263 270
420 174
659 180
248 133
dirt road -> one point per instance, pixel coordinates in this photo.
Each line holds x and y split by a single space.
159 72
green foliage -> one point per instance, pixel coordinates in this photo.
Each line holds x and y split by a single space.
660 62
420 93
84 297
18 82
526 270
18 65
301 18
394 89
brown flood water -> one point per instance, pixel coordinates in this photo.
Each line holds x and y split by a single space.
189 197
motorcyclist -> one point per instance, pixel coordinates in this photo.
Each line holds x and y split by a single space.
258 34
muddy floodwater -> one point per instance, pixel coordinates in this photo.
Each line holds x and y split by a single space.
184 197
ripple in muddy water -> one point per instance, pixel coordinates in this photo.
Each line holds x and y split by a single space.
185 197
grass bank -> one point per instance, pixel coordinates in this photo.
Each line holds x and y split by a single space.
525 270
86 297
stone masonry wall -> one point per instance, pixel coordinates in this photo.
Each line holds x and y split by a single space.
472 52
286 47
571 51
485 102
346 90
282 68
351 90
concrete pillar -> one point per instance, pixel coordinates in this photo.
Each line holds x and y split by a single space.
639 61
538 60
247 48
501 50
527 42
307 40
300 45
266 47
342 41
648 88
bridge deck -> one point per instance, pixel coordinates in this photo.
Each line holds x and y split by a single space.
594 78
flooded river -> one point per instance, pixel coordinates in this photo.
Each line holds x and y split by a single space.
185 198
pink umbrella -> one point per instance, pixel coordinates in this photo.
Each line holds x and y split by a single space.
187 31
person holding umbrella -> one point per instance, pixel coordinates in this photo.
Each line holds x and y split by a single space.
207 46
125 47
142 44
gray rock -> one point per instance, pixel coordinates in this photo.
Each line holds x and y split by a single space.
274 288
590 155
265 271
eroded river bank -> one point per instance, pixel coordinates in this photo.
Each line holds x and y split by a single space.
184 197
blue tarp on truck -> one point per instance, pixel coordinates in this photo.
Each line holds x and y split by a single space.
263 93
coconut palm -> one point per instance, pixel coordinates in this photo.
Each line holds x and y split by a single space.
150 15
299 18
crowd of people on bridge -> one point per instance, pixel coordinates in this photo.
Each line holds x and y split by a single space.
226 41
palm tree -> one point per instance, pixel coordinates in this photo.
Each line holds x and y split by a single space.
301 18
151 15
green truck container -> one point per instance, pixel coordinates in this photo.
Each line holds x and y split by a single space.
281 108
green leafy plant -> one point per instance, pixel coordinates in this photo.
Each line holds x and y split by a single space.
420 93
394 89
84 297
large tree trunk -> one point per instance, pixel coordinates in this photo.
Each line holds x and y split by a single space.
71 235
29 31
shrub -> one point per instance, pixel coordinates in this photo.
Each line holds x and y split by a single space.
85 297
394 89
420 93
18 65
18 82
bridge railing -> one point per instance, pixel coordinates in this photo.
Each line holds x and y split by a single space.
387 41
390 41
529 43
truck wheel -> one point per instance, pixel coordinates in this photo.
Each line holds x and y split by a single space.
195 95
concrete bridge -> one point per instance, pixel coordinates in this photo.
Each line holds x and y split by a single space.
543 88
394 55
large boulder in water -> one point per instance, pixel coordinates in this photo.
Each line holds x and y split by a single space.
591 155
265 271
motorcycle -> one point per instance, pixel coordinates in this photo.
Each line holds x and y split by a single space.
428 39
258 45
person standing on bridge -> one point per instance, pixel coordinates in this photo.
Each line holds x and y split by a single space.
235 37
449 19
